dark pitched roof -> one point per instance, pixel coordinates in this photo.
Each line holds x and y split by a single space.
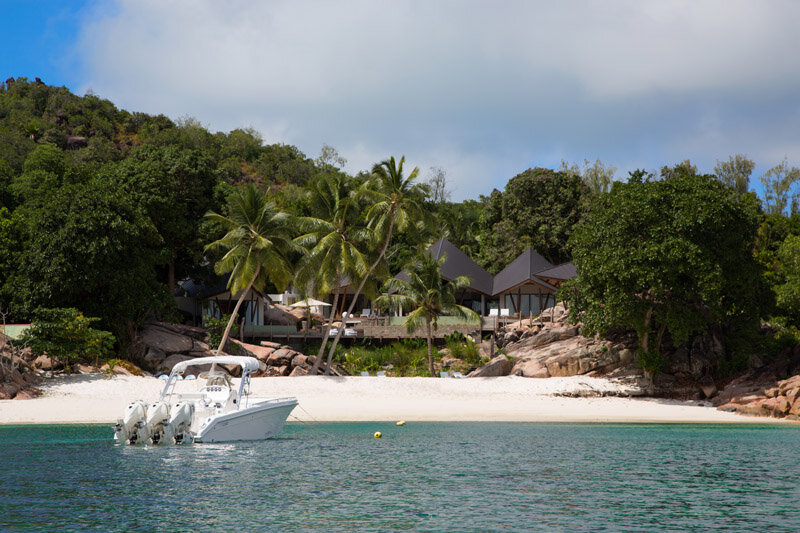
562 272
522 269
198 289
457 263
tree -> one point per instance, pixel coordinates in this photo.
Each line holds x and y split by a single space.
257 244
735 172
438 185
11 246
670 256
788 290
778 183
91 246
684 168
461 225
337 246
329 158
597 176
428 297
67 334
395 204
175 188
538 208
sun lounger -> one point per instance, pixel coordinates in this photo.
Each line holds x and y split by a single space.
380 374
365 374
444 374
458 375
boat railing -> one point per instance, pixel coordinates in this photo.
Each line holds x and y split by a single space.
276 400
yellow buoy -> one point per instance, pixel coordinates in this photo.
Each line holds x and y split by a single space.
401 423
377 434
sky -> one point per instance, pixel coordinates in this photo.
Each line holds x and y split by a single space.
483 90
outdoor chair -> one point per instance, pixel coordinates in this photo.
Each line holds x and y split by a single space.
366 313
458 375
380 374
505 312
493 312
333 332
364 374
444 374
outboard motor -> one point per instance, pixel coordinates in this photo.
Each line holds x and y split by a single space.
126 430
157 416
179 422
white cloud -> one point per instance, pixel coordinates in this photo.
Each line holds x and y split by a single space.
482 89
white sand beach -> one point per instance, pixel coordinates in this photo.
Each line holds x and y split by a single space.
98 399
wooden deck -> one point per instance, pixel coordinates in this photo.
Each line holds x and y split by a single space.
364 329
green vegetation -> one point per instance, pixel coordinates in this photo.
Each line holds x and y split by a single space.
406 358
538 208
102 209
464 348
68 335
670 256
216 329
257 244
426 296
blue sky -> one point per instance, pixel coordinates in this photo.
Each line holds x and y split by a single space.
483 90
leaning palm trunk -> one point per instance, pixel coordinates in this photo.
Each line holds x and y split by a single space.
430 349
326 331
235 312
358 293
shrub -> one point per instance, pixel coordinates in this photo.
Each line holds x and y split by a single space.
67 334
216 327
464 348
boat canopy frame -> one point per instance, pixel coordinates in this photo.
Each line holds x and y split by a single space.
248 364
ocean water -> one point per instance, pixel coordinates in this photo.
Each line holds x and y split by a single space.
420 477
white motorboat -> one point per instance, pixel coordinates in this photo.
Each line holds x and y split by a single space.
218 412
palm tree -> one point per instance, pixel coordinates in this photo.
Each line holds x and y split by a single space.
396 201
429 296
256 244
336 245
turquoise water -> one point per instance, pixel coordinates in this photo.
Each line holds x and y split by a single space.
421 477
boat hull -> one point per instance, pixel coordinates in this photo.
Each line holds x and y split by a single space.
261 420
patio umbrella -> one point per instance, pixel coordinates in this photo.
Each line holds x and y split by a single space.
309 302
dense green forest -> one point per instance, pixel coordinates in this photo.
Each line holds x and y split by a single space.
102 210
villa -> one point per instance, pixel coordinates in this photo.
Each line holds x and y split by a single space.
522 289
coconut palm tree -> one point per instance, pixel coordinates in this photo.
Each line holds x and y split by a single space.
396 201
337 245
428 296
257 243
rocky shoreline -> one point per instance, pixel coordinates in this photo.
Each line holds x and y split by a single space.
545 347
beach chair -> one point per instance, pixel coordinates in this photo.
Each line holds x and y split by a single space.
333 332
366 313
458 375
350 332
380 374
364 374
444 374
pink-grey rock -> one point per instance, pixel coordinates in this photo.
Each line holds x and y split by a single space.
165 340
172 360
499 366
